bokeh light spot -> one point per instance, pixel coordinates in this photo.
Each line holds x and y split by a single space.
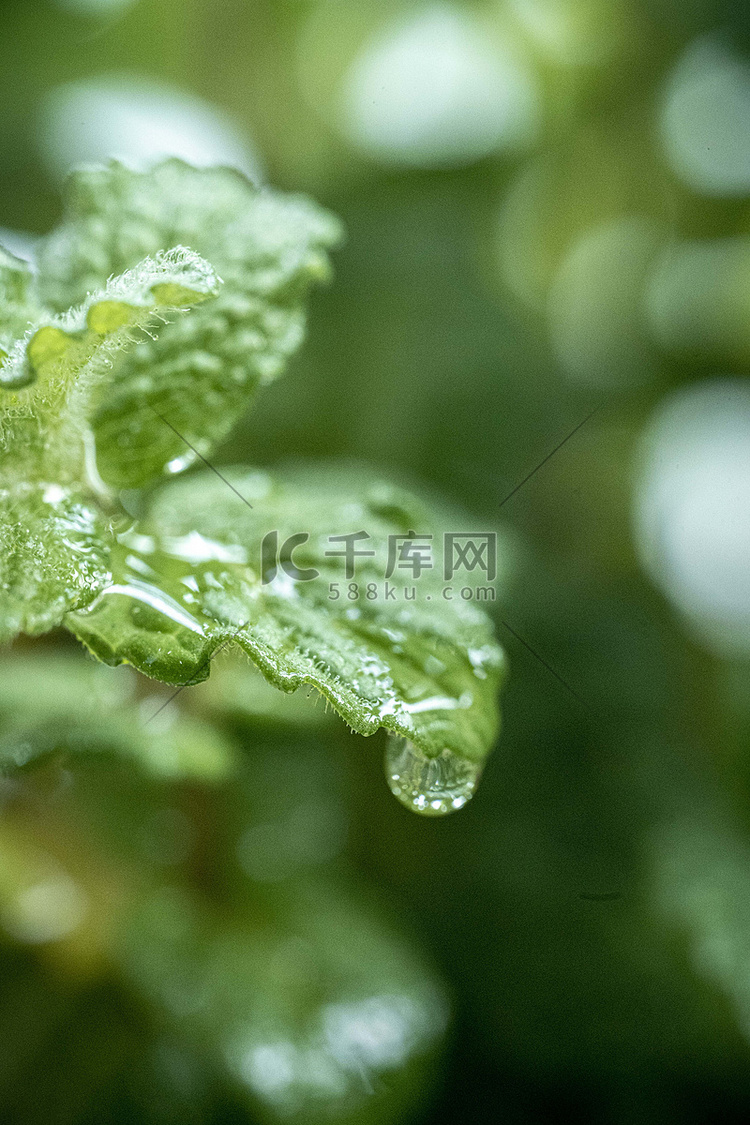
139 122
692 514
434 90
595 305
705 120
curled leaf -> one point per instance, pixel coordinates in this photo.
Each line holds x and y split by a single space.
54 378
199 372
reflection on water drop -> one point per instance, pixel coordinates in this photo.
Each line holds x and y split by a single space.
431 786
151 596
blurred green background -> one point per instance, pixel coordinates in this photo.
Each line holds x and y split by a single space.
547 206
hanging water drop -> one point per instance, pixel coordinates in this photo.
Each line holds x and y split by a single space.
430 786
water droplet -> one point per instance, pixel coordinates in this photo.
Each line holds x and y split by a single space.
151 596
431 786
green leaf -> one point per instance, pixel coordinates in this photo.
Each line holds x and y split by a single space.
198 373
54 544
68 706
307 1005
53 557
54 379
18 304
188 580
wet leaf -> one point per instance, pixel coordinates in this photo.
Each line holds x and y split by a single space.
199 372
192 578
53 379
53 557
